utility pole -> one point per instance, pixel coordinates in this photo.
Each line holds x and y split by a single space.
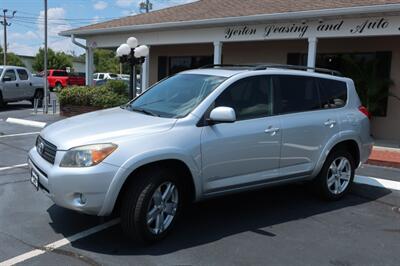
146 6
5 25
46 102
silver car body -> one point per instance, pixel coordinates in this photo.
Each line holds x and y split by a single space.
222 158
19 89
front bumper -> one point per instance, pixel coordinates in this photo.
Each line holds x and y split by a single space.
68 186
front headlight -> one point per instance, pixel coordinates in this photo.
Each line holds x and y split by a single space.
89 155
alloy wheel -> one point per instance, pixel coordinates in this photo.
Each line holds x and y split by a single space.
162 208
339 174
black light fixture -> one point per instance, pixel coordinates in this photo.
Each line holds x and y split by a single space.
133 54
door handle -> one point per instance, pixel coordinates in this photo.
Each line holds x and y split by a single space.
330 123
272 130
16 84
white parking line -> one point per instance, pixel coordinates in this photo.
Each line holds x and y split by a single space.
13 167
59 243
377 182
19 134
25 122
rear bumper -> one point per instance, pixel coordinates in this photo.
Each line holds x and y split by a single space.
366 150
79 189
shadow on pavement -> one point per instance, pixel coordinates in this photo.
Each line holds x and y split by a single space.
16 106
212 220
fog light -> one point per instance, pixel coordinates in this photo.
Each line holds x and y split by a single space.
82 198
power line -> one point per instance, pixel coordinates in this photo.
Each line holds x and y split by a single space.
5 25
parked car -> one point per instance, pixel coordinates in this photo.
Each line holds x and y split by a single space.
104 76
61 78
200 134
104 81
17 83
123 76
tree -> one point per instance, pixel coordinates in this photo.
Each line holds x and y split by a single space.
372 88
55 60
12 59
106 61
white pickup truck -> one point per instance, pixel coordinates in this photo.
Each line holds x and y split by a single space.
17 84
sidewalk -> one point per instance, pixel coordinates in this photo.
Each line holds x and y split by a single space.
384 156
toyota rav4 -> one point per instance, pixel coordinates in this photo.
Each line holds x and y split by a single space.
204 133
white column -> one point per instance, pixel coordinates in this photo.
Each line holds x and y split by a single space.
89 66
146 73
312 52
217 52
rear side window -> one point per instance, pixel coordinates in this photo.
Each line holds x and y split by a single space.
250 97
22 74
59 73
333 93
295 94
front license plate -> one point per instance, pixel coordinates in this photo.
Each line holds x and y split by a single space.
35 179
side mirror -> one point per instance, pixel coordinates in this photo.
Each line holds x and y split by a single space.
6 79
222 115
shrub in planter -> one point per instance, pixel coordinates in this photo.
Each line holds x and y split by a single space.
118 86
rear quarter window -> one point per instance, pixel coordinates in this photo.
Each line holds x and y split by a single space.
333 93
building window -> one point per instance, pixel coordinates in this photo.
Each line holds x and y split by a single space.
370 72
170 65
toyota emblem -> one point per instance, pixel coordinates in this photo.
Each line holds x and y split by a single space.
40 147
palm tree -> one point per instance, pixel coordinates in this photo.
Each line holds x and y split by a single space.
372 88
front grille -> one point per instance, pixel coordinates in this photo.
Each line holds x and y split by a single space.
46 149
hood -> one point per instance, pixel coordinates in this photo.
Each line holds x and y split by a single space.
110 125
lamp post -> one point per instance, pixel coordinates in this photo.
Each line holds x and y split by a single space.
133 54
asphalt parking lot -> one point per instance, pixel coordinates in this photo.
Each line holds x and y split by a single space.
278 226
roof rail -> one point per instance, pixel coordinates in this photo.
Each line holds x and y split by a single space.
282 66
225 65
295 67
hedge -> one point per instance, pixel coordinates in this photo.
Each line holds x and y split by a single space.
113 93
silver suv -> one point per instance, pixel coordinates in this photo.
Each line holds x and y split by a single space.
200 134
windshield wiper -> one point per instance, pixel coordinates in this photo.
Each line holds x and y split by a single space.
144 111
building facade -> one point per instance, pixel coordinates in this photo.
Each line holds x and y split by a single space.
359 38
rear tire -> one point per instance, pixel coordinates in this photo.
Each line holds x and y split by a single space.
336 176
151 204
38 95
58 86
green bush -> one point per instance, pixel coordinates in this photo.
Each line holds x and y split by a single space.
118 86
102 96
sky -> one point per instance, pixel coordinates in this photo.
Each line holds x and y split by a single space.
26 33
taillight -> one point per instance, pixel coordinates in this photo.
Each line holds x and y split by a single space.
365 111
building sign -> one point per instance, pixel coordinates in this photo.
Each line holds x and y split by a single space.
375 26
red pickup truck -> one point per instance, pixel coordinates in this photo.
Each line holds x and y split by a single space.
61 78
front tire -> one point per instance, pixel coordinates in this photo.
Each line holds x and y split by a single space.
151 205
3 104
336 176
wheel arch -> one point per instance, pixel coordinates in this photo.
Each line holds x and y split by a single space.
125 175
350 144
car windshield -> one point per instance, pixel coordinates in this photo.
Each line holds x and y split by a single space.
176 96
1 71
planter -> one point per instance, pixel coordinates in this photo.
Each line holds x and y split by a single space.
72 110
